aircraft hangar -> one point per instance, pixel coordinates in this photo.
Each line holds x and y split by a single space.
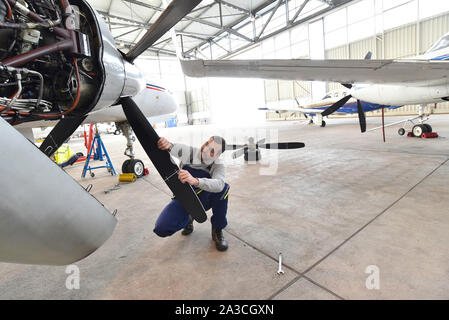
300 204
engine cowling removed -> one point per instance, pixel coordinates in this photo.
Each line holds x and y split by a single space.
49 60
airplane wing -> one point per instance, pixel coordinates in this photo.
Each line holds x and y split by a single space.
302 110
343 71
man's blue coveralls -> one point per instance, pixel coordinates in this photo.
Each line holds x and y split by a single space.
174 217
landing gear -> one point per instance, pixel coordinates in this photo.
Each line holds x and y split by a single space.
429 128
131 165
419 129
134 166
323 124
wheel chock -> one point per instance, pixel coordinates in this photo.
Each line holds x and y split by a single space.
429 135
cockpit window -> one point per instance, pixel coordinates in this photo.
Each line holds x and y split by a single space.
441 44
327 97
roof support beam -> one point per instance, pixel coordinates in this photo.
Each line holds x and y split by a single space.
299 11
254 13
278 4
235 7
198 20
128 32
308 18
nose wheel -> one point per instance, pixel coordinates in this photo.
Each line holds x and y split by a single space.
135 166
131 165
417 130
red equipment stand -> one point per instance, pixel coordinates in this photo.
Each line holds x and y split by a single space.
87 143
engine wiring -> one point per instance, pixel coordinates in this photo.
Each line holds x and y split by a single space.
8 8
42 92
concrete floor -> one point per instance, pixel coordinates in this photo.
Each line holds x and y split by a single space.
345 202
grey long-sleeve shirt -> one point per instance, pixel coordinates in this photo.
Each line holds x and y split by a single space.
191 156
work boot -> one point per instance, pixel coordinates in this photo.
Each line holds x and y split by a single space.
220 243
189 227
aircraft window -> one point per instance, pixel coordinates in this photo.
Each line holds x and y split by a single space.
441 44
336 95
344 94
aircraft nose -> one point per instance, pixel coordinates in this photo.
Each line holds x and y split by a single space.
172 102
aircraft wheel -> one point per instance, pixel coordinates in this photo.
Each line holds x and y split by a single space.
137 167
323 124
428 127
401 131
92 174
125 165
418 130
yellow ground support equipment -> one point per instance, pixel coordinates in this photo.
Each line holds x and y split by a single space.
127 177
63 154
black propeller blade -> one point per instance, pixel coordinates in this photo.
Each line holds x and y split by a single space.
166 167
362 118
340 103
282 145
60 133
234 146
337 105
174 13
251 145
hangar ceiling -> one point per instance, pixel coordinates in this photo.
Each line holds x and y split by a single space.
230 25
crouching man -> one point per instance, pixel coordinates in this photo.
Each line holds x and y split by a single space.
205 172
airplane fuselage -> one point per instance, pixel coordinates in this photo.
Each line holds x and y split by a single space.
410 92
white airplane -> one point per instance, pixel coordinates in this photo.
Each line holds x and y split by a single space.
420 80
59 66
316 108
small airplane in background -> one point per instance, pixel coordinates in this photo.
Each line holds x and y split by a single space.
420 80
316 108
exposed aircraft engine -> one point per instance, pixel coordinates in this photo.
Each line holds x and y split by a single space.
49 60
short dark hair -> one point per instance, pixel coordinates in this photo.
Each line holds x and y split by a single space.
221 141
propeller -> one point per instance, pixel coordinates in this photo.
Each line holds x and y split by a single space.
337 105
162 161
174 13
143 129
243 148
340 103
